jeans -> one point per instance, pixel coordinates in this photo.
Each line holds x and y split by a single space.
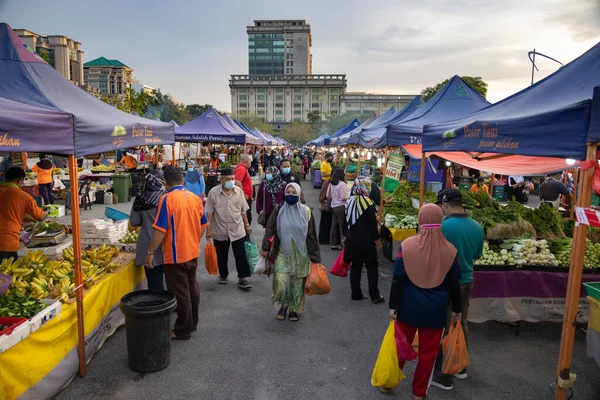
181 281
338 226
154 276
368 259
46 193
239 252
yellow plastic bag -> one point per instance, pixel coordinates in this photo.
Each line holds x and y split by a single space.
387 373
454 351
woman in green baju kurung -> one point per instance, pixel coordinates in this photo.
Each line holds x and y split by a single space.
291 241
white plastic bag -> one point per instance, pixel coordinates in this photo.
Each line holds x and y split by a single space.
260 267
58 184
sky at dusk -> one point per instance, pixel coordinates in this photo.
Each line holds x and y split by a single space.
188 48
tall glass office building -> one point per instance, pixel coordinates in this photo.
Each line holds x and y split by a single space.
266 53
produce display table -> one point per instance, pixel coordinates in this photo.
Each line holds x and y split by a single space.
593 331
47 360
523 295
392 238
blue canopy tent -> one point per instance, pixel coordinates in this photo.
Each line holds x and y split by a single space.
352 136
175 124
235 128
350 126
96 126
383 119
550 118
378 129
212 128
454 100
320 141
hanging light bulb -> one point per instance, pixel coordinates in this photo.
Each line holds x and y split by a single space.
570 161
448 163
369 155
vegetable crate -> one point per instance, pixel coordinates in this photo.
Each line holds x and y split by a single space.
16 335
593 289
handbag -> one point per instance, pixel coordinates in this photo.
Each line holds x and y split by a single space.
262 217
327 206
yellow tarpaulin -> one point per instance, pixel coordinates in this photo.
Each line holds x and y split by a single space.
594 321
401 234
46 361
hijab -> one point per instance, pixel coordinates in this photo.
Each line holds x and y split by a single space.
153 190
44 162
292 225
194 176
274 186
359 202
428 256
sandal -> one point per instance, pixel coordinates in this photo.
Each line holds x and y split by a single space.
281 313
293 316
175 337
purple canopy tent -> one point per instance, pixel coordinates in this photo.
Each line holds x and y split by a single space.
96 126
210 127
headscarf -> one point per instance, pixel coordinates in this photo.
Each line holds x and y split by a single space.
194 176
428 256
292 225
44 162
359 202
153 190
277 183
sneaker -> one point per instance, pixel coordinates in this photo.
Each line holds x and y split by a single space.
443 382
462 375
379 300
222 281
243 284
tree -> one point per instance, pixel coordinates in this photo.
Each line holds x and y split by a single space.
254 121
298 133
475 82
314 116
196 110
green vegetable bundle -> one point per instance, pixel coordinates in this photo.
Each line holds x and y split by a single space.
16 304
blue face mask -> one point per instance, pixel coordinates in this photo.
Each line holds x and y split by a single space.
190 169
291 199
269 177
286 170
228 185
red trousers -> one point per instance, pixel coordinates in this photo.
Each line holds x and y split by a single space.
429 344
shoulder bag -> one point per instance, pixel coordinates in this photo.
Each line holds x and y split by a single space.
262 218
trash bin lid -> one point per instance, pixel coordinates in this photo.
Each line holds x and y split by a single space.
148 303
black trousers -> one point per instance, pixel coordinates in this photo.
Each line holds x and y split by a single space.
249 212
155 276
367 258
239 252
325 227
181 281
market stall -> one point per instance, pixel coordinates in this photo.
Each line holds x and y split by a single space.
75 124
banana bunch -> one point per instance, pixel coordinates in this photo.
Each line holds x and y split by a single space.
20 285
61 271
64 290
22 271
6 265
41 288
69 254
36 259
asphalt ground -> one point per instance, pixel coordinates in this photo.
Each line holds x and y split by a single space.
241 351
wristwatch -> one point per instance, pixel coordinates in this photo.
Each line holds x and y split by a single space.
150 253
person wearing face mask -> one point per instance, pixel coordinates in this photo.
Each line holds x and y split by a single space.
289 176
244 181
194 181
294 247
468 237
226 208
270 193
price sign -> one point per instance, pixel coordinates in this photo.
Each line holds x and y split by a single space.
394 166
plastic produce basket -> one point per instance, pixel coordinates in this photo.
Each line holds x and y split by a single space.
593 289
5 281
117 215
12 323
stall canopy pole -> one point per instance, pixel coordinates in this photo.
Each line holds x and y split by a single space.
380 214
358 165
574 194
422 185
173 155
574 282
75 228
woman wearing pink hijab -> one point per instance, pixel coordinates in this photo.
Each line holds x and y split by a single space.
426 277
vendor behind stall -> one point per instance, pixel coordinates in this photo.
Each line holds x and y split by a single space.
44 169
551 190
128 161
17 206
516 188
479 187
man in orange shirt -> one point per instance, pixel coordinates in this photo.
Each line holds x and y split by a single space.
15 206
479 187
44 169
178 226
128 161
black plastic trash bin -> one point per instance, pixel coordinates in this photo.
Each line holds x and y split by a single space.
148 328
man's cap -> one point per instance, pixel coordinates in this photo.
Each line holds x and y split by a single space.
227 172
449 195
480 179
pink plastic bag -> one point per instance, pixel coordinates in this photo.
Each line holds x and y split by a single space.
403 347
340 268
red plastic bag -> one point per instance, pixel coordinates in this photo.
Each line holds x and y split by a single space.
415 344
596 181
210 258
454 351
316 281
403 348
340 268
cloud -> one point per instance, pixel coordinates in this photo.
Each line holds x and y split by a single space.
582 18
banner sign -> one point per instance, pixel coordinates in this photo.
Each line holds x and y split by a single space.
393 169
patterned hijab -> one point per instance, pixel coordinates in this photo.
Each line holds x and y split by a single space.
277 183
153 190
359 201
292 225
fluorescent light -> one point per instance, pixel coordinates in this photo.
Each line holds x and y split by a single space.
448 163
570 161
